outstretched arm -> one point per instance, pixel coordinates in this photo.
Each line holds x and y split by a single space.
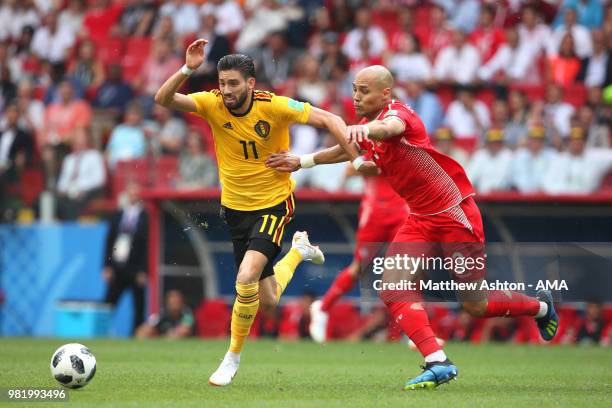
287 162
167 95
376 130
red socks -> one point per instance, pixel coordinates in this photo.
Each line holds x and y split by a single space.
413 320
511 304
342 285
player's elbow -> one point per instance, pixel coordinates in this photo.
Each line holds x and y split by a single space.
161 99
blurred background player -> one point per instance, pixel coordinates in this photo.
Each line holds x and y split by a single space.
256 201
381 213
175 322
443 220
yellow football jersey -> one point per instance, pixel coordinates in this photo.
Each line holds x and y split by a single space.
243 143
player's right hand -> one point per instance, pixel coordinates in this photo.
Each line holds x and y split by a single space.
194 56
368 169
283 161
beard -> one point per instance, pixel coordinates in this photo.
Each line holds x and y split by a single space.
239 101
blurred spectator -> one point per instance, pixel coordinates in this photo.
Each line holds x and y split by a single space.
218 46
125 260
274 61
331 178
531 162
467 117
598 134
366 57
591 329
444 143
8 60
602 113
331 57
266 16
557 114
426 104
338 101
164 30
310 86
161 65
52 42
516 128
114 93
513 62
196 168
81 179
364 28
406 26
489 168
71 18
463 13
176 320
86 69
101 18
486 37
63 117
596 70
579 170
184 16
409 63
26 63
580 34
16 149
167 131
589 12
228 16
457 62
127 140
435 36
8 90
17 14
500 117
137 18
563 66
33 110
534 33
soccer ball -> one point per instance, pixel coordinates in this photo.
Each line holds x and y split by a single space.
73 365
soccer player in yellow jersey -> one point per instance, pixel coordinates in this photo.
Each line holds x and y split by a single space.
256 201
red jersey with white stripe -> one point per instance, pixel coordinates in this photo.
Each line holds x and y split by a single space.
430 182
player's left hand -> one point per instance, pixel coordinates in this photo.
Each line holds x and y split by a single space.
283 161
357 133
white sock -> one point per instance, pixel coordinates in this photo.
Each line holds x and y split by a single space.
235 357
543 310
437 356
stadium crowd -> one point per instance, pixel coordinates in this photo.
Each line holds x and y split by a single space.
518 91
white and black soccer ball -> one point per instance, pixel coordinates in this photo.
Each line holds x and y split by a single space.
73 365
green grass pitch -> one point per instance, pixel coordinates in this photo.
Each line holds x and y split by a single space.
162 373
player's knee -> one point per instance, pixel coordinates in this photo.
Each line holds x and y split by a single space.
246 275
475 308
267 305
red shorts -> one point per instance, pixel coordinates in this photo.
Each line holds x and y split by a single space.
380 228
455 232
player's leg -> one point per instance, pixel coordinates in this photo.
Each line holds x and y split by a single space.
243 314
319 310
493 303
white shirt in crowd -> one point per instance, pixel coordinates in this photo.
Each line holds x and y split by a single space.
52 46
410 67
489 172
538 39
457 65
82 172
569 174
596 70
376 37
462 122
12 21
559 115
228 14
305 139
185 17
529 169
518 64
583 44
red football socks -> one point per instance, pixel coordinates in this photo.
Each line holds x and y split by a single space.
341 286
413 320
511 304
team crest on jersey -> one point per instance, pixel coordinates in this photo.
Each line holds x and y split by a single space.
262 128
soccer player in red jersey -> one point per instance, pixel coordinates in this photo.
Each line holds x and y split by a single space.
381 213
443 216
